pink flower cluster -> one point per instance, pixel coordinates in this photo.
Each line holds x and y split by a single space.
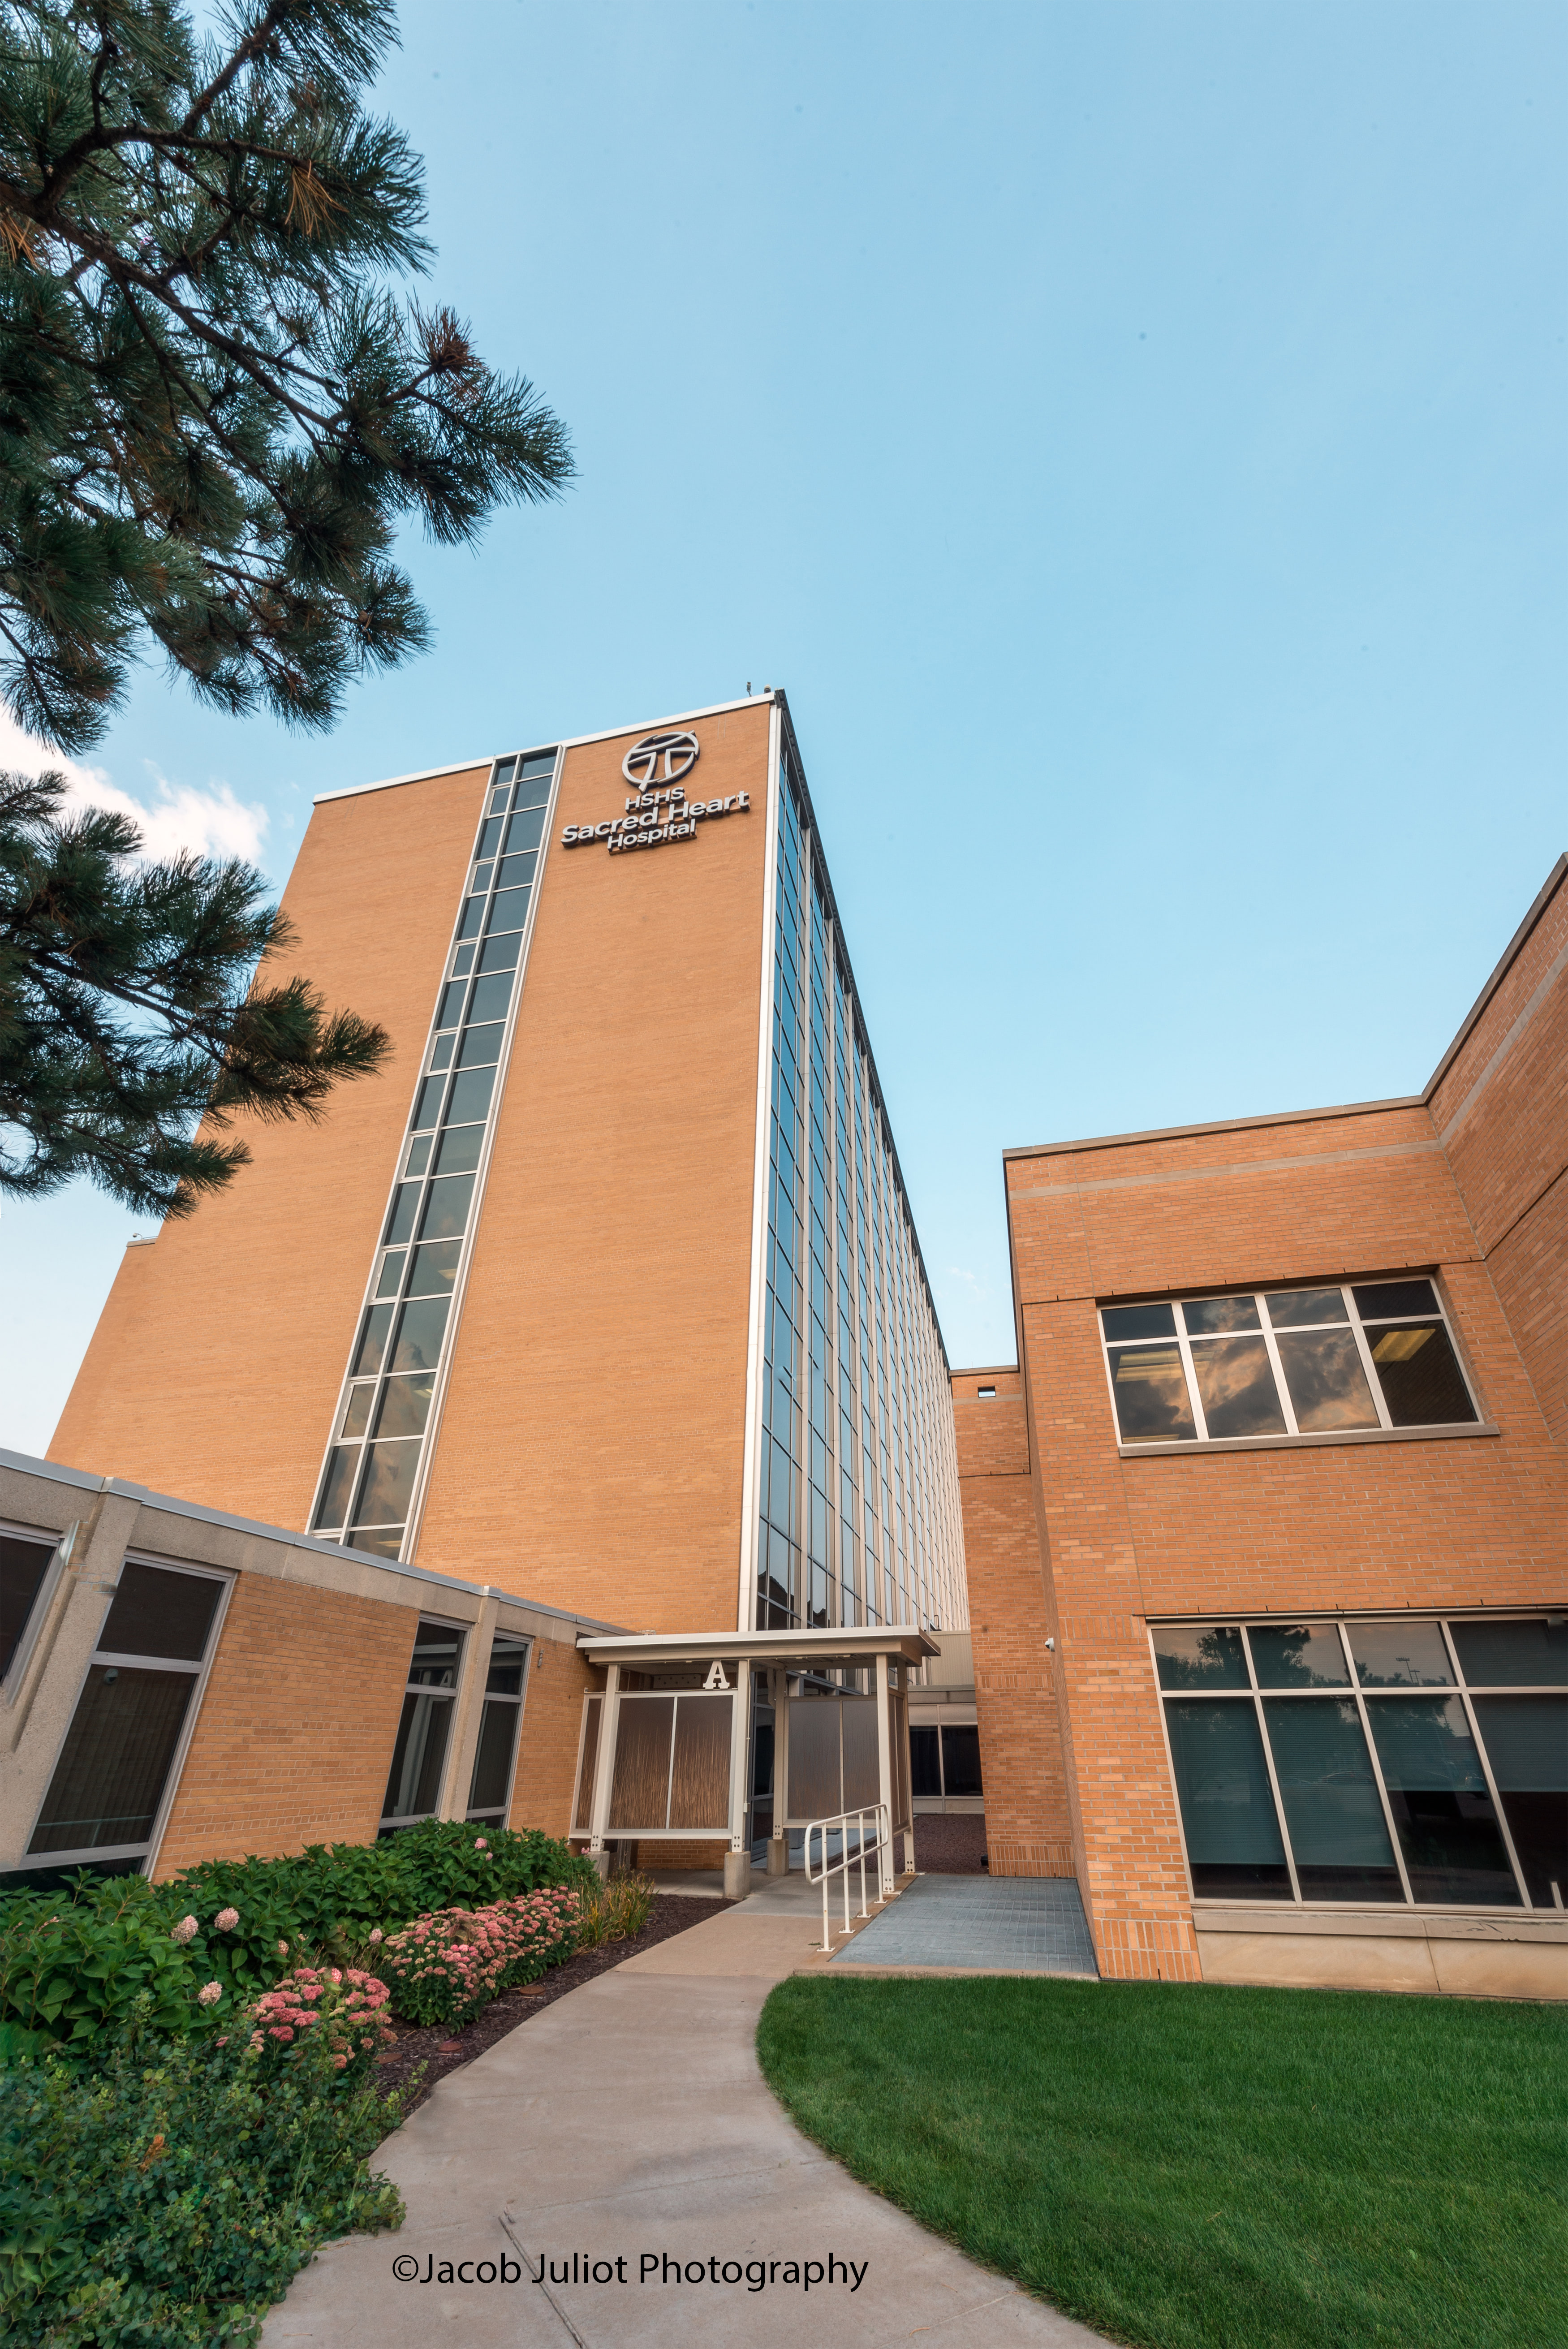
351 2005
447 1966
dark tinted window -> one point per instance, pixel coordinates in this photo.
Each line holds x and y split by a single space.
924 1763
1383 1298
1127 1321
23 1565
961 1757
159 1613
1423 1385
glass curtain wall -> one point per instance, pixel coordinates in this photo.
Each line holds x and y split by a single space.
858 1489
372 1465
1394 1761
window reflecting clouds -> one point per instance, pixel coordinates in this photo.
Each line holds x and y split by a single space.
1284 1362
1406 1784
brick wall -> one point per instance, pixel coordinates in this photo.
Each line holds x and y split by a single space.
1420 1523
1499 1105
1027 1832
294 1738
558 1680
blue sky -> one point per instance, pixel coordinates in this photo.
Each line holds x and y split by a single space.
1133 435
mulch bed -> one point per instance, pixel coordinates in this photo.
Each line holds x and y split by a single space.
439 2050
950 1843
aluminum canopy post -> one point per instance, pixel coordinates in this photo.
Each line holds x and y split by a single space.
884 1774
738 1858
604 1771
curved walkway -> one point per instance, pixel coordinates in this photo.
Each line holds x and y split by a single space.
627 2133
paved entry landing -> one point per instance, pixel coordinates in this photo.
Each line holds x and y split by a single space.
1007 1924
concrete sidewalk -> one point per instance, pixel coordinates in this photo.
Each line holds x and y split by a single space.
629 2123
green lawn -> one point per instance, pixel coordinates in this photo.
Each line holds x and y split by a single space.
1189 2167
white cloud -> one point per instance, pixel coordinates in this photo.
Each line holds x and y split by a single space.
212 823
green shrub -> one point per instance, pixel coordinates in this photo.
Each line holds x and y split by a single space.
73 1963
73 1968
170 2199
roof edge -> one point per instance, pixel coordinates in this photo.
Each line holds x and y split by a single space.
1218 1125
1510 956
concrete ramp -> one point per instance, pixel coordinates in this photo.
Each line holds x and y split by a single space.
980 1924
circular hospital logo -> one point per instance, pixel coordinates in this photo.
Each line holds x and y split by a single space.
660 759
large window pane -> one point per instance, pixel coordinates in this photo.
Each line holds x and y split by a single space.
1205 1315
925 1762
1199 1656
1454 1847
437 1648
1150 1391
492 1760
109 1780
508 908
1292 1309
492 997
961 1757
389 1482
1528 1651
447 1211
508 1654
1297 1655
471 1090
1423 1385
582 1819
459 1150
160 1613
1236 1386
415 1784
435 1269
1400 1655
340 1478
1337 1832
480 1047
1327 1384
418 1345
1125 1321
1526 1740
406 1404
23 1565
1233 1845
525 831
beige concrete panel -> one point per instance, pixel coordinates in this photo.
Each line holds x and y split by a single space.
1317 1961
1500 1969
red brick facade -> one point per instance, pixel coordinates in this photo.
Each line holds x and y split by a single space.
1466 1183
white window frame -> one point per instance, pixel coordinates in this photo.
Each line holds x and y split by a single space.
1293 1432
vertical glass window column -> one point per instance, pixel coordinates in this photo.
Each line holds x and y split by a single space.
858 1593
495 1759
825 1603
378 1436
781 1601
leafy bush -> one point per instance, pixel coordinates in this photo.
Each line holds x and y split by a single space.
614 1909
70 1969
448 1967
74 1963
171 2198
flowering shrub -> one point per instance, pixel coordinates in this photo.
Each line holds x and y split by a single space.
168 2198
338 2005
448 1966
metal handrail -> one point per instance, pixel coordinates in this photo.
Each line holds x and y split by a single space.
841 1821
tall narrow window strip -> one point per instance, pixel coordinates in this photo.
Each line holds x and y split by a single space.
367 1482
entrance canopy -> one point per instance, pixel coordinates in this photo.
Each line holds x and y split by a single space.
793 1652
667 1749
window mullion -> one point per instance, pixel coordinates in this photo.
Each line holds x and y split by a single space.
1502 1816
1273 1776
1377 1761
1374 1383
1286 1404
1184 1345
